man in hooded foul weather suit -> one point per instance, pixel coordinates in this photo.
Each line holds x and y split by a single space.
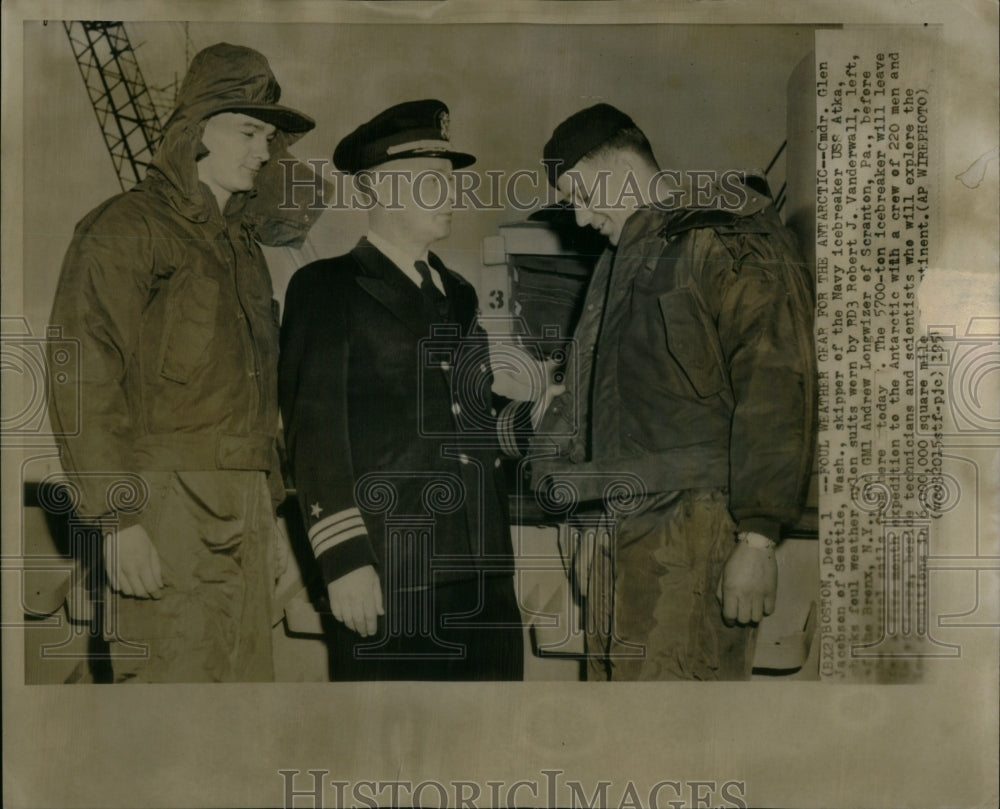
692 377
166 289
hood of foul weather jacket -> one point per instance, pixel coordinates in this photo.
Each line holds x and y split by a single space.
170 303
237 79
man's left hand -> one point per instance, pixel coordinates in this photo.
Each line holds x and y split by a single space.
748 585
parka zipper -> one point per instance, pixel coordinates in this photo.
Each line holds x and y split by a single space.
246 335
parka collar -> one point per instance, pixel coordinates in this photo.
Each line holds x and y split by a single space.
667 222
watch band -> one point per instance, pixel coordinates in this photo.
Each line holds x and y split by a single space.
758 541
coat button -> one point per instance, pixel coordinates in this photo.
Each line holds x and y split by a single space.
496 463
493 411
445 366
482 367
456 408
463 458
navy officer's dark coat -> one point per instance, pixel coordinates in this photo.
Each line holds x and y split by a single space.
390 423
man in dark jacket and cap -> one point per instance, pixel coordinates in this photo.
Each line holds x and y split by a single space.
166 289
694 385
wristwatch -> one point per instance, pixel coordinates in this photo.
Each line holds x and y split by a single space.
758 541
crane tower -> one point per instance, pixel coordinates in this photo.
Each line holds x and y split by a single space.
118 93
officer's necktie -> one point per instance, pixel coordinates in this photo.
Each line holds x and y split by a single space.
430 289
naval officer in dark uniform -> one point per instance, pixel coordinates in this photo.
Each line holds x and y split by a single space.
385 391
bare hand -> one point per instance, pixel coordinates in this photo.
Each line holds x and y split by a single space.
132 563
356 600
748 585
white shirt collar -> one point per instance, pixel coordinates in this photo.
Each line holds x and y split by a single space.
403 261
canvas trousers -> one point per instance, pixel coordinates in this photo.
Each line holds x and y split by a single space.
213 531
648 581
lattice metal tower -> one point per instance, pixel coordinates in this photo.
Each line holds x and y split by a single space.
125 110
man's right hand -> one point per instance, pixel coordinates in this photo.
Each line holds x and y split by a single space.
132 563
356 600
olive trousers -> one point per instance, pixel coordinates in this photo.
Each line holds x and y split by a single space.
649 582
212 623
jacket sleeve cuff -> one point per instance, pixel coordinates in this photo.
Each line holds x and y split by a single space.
340 544
93 506
761 525
514 429
349 555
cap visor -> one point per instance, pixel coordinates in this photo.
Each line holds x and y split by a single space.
459 160
284 118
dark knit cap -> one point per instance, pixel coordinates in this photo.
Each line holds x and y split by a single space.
580 134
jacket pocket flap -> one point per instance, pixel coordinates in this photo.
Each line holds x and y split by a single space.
190 326
691 341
